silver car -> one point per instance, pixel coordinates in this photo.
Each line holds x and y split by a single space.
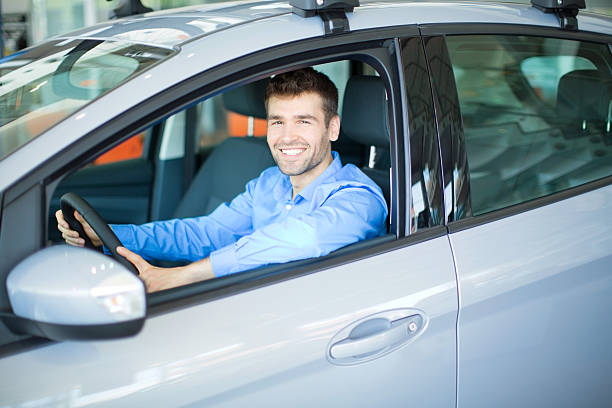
488 127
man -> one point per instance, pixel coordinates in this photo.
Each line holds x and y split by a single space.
306 206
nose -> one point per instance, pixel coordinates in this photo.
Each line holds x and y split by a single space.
288 133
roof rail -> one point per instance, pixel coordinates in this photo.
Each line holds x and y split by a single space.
332 12
129 8
566 10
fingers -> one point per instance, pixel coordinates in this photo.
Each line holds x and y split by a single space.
144 268
136 259
80 218
91 234
70 236
59 216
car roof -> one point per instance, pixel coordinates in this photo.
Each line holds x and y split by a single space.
168 28
177 26
265 24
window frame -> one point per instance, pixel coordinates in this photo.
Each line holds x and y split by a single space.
375 53
455 145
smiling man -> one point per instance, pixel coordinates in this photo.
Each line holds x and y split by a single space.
308 205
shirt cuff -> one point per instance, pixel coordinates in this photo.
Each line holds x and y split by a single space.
223 261
125 235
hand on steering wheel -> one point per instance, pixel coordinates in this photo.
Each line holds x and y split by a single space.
69 203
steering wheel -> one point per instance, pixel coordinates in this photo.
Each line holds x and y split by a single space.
70 202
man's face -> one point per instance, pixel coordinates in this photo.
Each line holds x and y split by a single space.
298 136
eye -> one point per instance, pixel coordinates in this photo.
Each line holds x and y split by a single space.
303 122
276 123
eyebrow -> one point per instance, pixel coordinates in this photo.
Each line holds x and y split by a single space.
303 116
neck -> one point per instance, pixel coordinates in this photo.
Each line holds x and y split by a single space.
301 181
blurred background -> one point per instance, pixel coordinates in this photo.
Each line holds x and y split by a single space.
26 22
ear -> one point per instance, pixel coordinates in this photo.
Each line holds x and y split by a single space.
334 128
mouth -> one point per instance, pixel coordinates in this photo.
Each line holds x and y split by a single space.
292 151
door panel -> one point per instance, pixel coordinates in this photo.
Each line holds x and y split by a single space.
536 295
267 346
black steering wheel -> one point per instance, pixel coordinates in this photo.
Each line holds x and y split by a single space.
70 202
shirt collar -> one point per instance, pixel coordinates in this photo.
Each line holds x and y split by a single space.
308 191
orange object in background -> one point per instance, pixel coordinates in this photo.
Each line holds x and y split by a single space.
238 125
130 149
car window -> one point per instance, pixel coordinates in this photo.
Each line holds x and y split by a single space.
59 77
225 161
536 115
544 72
133 148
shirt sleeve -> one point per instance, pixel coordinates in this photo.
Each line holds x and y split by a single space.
348 215
191 239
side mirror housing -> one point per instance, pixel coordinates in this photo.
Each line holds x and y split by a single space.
68 293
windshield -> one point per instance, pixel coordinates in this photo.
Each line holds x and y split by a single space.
44 84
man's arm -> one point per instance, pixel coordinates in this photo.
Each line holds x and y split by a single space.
351 215
190 239
347 216
156 278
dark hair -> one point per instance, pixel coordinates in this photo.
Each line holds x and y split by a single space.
294 83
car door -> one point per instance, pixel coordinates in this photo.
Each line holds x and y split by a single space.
533 254
370 325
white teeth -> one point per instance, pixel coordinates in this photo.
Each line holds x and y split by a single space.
292 152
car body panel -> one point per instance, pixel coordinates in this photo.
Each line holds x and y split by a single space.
266 346
535 294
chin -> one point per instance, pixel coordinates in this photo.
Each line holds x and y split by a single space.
290 172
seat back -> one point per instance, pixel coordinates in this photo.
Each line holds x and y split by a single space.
584 101
365 121
234 162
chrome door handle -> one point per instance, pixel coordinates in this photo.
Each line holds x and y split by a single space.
370 344
374 336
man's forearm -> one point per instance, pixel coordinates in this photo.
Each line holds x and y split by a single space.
157 279
199 271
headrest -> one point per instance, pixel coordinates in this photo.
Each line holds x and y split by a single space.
364 111
583 94
248 99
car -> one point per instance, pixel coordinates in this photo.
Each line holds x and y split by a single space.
486 125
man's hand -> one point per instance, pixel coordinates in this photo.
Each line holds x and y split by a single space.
156 278
71 236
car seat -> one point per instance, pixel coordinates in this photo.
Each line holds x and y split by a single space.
584 109
584 103
234 162
365 121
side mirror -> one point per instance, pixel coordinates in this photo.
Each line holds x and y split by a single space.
68 293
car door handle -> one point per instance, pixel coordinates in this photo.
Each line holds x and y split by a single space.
374 336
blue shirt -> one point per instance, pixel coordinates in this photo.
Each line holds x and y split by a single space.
265 225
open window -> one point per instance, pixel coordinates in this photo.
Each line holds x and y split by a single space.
203 155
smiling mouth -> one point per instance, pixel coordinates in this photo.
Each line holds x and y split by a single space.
292 151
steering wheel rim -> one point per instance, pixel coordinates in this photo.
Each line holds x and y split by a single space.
72 201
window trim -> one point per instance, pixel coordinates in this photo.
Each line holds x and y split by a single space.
449 128
421 114
444 29
526 206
